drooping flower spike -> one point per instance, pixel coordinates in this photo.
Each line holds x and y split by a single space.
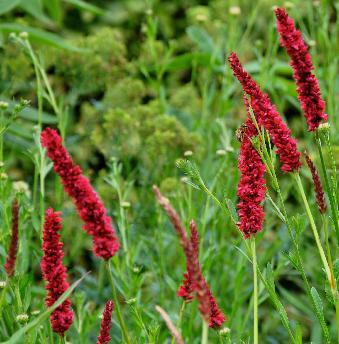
307 84
55 273
13 247
194 282
318 188
89 206
267 116
106 323
251 187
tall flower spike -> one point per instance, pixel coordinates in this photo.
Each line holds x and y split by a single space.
251 187
194 281
307 84
318 188
89 206
106 324
267 116
172 214
54 272
13 247
208 306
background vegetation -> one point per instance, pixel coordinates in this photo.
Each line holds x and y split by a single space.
136 86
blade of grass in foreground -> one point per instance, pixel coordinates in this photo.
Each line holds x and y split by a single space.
17 336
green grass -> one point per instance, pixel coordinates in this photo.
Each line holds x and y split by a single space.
132 86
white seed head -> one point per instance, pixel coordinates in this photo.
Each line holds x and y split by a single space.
3 284
3 176
224 331
202 17
22 318
35 312
324 126
23 35
3 105
188 153
21 187
125 204
235 10
221 152
131 301
184 179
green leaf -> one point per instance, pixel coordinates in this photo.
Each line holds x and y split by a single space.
201 38
8 5
86 7
320 312
17 336
40 36
35 9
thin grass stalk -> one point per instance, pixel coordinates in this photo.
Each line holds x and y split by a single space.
330 193
255 292
117 305
204 334
328 270
181 313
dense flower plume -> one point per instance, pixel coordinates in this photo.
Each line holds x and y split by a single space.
307 84
13 247
172 214
208 306
106 323
318 188
54 273
268 117
194 281
90 208
251 187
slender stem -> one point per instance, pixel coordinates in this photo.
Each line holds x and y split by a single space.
314 228
117 305
255 292
204 334
333 203
180 319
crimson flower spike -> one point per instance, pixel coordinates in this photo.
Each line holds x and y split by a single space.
318 188
307 84
55 273
106 324
13 247
89 206
251 187
267 116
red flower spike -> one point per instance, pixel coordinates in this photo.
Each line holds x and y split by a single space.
13 247
89 206
307 84
251 187
267 116
172 214
54 273
194 282
207 304
106 324
318 188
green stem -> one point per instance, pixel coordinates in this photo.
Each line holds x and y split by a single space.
117 305
333 203
314 228
204 334
180 319
255 292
